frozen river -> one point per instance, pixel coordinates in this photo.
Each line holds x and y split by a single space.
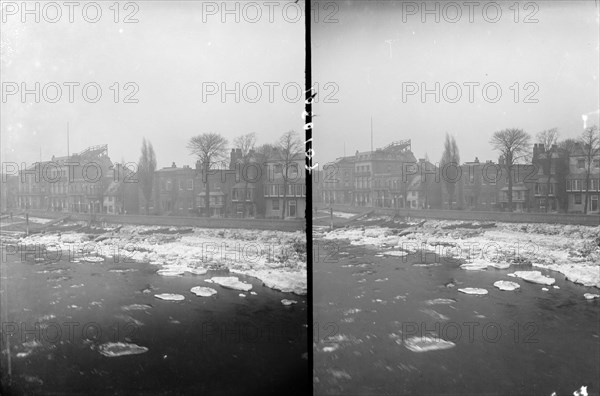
527 341
56 316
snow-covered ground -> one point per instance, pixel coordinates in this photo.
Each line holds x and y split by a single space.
277 258
571 250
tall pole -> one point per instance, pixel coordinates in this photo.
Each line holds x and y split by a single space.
68 176
371 134
371 181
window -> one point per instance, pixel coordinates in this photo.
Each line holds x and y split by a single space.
180 184
292 208
597 163
190 184
538 189
169 185
581 163
577 199
551 192
594 184
275 204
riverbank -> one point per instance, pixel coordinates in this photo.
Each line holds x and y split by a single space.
277 258
572 250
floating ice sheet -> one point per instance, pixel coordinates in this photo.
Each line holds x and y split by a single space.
136 307
506 285
473 290
170 297
437 301
534 277
115 349
426 344
203 291
231 282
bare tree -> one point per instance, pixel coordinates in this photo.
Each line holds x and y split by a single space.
210 148
514 145
590 143
146 168
246 144
568 145
548 139
450 157
289 150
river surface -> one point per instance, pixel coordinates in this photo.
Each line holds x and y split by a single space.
219 345
523 342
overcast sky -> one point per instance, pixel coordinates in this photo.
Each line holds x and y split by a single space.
175 48
169 53
559 54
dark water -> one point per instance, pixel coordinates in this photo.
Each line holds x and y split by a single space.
220 345
549 341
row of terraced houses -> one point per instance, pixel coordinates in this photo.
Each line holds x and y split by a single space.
392 177
89 182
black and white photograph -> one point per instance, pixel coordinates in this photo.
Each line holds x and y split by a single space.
300 197
153 199
456 246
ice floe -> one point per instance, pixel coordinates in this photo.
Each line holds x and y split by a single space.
590 296
506 285
116 349
135 307
534 277
330 348
427 343
92 259
203 291
231 282
287 302
399 253
170 297
436 301
170 272
473 290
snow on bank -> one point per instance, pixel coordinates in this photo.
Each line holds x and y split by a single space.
277 258
572 250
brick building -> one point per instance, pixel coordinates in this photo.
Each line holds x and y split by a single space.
576 187
69 184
